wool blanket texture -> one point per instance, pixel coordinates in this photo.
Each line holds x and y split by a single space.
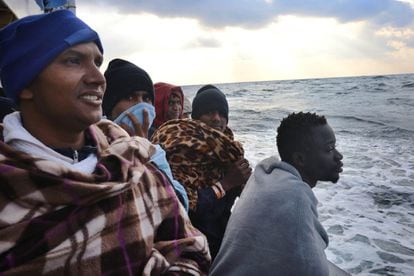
198 154
274 228
123 219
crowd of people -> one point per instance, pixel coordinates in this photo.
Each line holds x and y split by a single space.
113 174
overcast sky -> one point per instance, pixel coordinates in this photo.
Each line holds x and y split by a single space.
215 41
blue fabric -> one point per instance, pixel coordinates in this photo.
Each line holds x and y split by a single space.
136 110
30 44
159 159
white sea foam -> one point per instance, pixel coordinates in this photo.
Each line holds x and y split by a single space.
369 213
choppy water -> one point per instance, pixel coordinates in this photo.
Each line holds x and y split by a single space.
369 213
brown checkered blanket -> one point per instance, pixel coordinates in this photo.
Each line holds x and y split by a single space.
123 219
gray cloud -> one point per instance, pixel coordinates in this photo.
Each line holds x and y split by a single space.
256 13
406 41
384 12
410 42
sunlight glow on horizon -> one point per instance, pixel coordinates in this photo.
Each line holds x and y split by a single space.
181 51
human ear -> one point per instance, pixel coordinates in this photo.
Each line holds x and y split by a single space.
298 159
26 94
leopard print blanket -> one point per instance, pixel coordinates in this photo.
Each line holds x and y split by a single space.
199 155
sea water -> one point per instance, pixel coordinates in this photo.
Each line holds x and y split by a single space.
369 213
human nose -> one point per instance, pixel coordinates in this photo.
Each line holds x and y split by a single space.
176 106
139 99
95 76
338 155
215 115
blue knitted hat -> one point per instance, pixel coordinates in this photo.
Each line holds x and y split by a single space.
30 44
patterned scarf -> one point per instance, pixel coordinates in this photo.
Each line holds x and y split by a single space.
123 219
198 154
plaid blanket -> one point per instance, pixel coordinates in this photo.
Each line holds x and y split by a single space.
123 219
198 154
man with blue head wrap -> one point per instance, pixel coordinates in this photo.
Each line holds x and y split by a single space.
31 43
78 195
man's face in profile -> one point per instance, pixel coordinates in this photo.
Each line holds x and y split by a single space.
68 92
323 160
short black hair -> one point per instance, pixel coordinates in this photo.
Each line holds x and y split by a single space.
294 132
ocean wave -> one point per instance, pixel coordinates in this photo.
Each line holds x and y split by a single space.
408 85
239 92
379 77
354 118
369 213
248 112
401 101
255 127
342 93
242 90
387 198
386 128
345 131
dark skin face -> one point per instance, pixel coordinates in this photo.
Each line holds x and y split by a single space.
65 98
240 171
215 120
321 161
174 107
135 98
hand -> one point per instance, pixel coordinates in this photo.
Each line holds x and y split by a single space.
237 175
138 130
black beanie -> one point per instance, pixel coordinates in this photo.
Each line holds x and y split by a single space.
209 98
122 79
